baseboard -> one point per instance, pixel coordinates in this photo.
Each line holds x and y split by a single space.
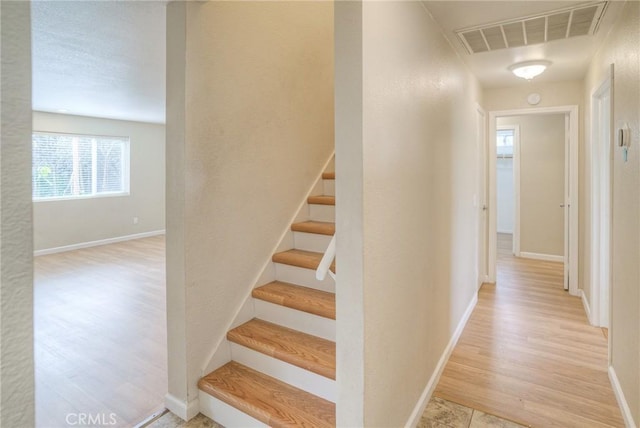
435 377
185 411
622 402
538 256
97 243
585 303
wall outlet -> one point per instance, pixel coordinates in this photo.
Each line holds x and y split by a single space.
135 220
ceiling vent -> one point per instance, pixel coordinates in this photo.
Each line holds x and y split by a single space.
561 24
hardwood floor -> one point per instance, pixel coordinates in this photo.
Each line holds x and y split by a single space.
100 334
528 353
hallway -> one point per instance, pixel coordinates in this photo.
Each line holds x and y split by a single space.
528 353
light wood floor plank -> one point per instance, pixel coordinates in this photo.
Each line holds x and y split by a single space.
100 333
528 353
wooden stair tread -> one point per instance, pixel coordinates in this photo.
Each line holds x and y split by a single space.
318 227
301 258
322 200
297 297
269 400
329 175
294 347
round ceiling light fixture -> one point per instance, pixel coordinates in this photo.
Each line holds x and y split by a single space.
529 69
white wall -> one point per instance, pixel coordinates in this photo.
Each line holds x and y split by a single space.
408 145
505 194
249 128
542 146
69 222
621 50
16 247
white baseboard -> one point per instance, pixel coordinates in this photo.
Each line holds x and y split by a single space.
435 377
622 402
185 411
587 308
97 243
545 257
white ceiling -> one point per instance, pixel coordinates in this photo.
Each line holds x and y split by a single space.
100 58
107 58
570 57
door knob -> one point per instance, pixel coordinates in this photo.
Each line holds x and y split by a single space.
561 205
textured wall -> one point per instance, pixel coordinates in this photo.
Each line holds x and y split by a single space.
60 223
16 249
415 162
542 145
621 50
551 95
257 127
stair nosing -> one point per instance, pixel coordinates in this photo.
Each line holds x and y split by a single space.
328 175
283 349
293 258
287 396
323 310
322 200
315 227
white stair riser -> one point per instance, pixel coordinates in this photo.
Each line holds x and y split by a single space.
319 212
297 320
225 414
304 277
329 187
311 241
300 378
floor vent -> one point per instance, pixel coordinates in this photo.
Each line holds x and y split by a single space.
561 24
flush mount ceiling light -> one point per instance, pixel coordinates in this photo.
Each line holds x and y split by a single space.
529 69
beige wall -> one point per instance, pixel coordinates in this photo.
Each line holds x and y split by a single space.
249 127
621 49
551 95
410 145
16 248
542 146
68 222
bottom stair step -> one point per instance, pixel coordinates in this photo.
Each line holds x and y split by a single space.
267 399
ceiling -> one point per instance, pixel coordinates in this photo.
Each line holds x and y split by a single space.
569 57
100 58
107 58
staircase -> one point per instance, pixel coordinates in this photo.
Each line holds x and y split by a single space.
283 362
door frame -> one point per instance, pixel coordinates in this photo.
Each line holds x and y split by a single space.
571 200
481 201
601 206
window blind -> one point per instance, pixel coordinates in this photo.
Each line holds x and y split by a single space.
75 166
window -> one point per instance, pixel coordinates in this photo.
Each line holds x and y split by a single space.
69 166
504 142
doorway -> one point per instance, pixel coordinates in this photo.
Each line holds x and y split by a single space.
554 200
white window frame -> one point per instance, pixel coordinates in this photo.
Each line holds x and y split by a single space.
126 169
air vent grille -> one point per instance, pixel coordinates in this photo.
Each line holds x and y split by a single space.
561 24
